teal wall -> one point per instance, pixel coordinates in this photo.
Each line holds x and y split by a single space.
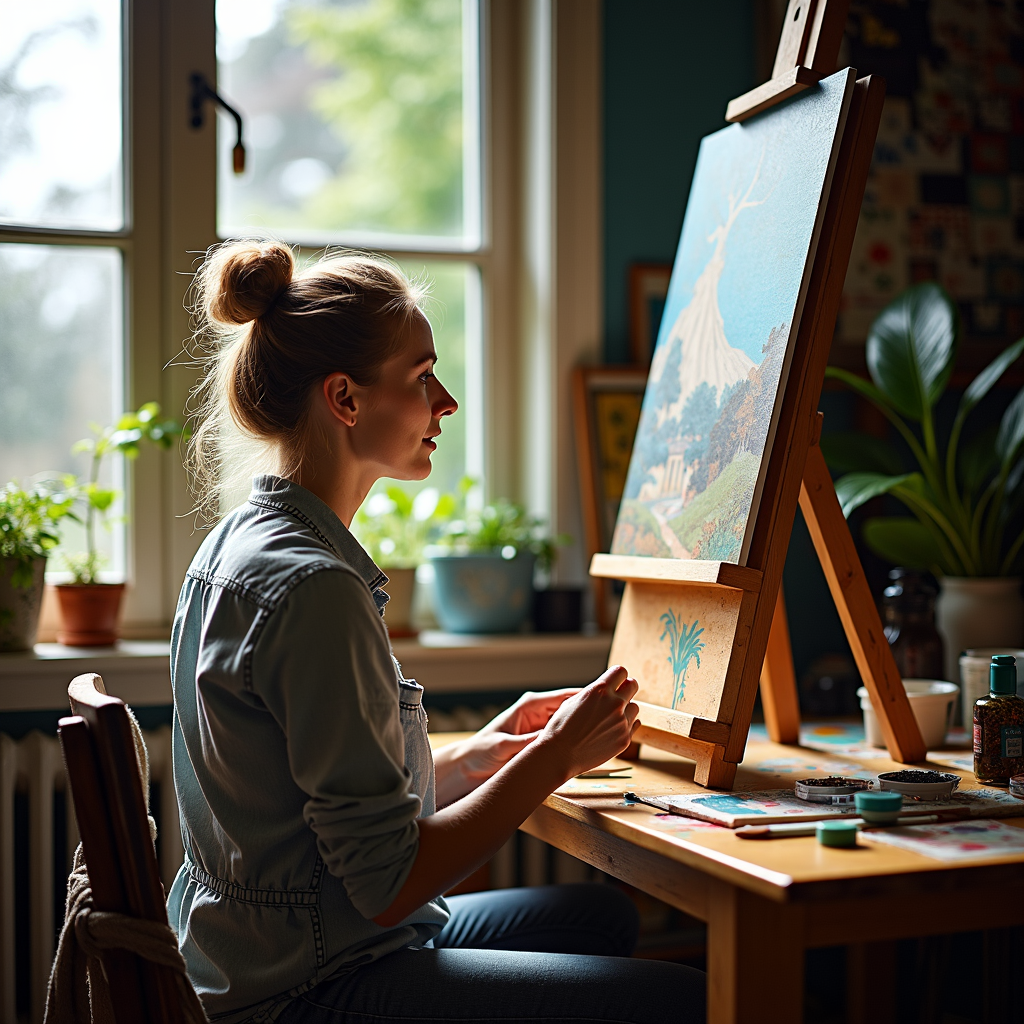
670 67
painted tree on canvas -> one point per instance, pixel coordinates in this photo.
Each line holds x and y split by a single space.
685 645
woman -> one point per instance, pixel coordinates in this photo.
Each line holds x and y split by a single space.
314 859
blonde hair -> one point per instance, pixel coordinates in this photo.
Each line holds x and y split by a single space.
270 334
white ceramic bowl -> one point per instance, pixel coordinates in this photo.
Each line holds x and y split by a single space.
932 702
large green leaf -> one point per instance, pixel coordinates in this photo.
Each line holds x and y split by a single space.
902 541
987 379
856 488
850 451
912 346
977 459
860 385
1011 430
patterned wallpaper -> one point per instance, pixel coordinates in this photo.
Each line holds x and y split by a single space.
945 199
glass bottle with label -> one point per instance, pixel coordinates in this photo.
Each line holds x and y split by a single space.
999 725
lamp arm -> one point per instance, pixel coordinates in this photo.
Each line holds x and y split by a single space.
203 91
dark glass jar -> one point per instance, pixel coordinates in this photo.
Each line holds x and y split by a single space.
908 607
999 725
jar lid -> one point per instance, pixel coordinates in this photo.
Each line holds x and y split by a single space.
841 834
1002 674
879 800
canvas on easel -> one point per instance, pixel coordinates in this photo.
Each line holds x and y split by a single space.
727 441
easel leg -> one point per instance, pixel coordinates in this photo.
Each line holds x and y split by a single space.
778 681
841 563
755 959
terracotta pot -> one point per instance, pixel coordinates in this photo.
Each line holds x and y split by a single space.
19 607
90 613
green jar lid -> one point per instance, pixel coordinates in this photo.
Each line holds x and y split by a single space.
1002 674
837 833
878 801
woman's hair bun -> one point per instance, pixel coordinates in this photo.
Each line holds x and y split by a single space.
241 280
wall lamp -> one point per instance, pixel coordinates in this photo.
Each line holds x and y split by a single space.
203 91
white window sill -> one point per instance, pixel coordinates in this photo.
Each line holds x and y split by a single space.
138 671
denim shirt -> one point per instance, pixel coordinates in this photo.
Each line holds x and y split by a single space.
301 759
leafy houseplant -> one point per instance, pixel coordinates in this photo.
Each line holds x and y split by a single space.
395 527
28 532
964 499
485 565
89 608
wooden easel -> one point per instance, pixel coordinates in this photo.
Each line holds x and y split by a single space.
747 599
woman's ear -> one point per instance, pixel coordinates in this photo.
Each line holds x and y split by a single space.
342 397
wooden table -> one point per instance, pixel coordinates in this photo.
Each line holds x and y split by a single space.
766 902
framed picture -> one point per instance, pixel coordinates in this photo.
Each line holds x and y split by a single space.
648 289
606 404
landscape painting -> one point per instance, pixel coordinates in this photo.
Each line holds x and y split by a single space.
723 348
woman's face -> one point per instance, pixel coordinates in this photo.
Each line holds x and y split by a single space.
397 427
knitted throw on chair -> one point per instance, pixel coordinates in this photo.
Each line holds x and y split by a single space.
79 992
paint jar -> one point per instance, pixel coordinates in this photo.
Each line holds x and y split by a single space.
837 834
879 808
974 671
931 700
999 725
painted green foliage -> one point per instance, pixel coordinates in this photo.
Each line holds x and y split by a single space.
684 645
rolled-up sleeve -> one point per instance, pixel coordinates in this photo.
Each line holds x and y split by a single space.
323 668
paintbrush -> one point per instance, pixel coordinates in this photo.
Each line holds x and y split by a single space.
808 828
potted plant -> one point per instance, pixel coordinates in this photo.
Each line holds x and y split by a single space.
485 564
395 527
28 532
964 497
90 610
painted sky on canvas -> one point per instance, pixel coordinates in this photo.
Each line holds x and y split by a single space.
766 250
729 321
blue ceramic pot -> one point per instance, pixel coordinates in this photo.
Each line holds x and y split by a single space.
483 593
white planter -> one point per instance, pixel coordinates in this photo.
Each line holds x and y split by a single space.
398 611
978 612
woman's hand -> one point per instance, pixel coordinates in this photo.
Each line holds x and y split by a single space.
461 767
584 730
595 724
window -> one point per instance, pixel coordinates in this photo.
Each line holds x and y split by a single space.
362 131
63 236
109 196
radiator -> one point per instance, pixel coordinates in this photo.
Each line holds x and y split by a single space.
34 815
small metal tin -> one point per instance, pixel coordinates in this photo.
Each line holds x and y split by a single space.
1017 786
936 786
843 792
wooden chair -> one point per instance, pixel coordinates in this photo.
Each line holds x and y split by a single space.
110 806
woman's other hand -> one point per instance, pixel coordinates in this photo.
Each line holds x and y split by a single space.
460 767
530 713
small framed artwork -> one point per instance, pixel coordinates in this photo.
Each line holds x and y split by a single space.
606 407
648 288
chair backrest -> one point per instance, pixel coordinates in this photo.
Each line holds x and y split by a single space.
110 808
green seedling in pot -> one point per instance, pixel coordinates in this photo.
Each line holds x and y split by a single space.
29 525
131 431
